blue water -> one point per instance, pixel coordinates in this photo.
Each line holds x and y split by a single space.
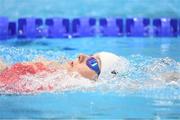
138 94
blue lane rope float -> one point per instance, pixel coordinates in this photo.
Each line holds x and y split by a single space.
56 28
111 26
88 27
7 29
137 27
84 27
29 28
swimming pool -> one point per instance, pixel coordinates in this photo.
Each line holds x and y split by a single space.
140 93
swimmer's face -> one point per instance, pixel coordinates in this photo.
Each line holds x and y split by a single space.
79 65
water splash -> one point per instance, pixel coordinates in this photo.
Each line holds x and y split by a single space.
145 75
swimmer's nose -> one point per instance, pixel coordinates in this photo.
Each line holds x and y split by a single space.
81 58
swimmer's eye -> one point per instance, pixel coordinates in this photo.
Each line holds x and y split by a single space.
114 72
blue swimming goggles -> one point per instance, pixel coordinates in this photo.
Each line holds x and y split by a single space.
93 64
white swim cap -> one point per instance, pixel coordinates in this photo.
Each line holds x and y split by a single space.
111 63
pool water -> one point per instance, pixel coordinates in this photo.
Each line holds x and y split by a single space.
140 93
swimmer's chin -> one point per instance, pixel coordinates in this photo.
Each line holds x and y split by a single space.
67 66
69 69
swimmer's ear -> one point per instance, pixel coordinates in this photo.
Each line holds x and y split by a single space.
114 72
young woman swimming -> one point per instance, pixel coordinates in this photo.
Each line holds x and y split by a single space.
90 67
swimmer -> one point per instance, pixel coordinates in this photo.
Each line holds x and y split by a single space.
95 67
91 67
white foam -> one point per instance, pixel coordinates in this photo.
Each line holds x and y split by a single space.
143 74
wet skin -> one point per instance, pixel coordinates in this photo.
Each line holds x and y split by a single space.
79 65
